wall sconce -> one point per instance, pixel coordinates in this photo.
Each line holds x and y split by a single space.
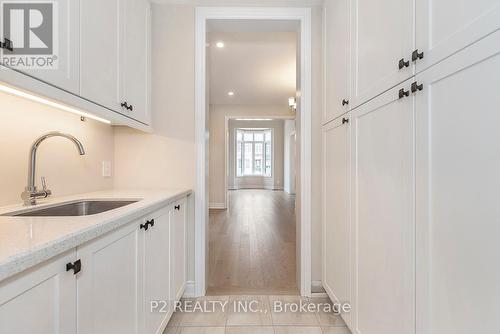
292 103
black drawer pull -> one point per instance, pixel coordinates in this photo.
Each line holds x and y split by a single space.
417 55
177 207
345 102
345 120
75 266
145 226
151 222
402 63
403 93
415 86
127 106
7 44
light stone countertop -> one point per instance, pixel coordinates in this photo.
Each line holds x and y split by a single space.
28 241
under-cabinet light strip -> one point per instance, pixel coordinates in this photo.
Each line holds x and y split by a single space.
20 93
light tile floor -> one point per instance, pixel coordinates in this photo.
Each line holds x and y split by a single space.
228 320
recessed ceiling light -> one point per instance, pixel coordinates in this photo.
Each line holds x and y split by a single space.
220 44
230 93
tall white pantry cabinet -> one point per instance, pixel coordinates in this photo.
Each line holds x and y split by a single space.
411 165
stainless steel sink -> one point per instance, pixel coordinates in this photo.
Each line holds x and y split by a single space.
80 208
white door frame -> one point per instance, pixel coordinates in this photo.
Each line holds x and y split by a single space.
303 15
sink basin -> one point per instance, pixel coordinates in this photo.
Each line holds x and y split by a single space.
80 208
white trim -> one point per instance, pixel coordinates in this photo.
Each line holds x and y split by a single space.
217 206
201 196
189 290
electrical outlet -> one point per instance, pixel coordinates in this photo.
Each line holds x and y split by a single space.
106 168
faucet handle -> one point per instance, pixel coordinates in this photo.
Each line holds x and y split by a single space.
44 185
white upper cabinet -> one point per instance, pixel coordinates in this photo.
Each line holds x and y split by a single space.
447 26
65 47
337 58
382 35
134 80
100 51
336 210
115 56
384 214
458 164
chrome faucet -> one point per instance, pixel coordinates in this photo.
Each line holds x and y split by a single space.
30 193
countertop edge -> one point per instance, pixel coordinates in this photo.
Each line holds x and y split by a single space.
20 262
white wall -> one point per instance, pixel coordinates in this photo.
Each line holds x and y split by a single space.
170 151
165 158
218 114
289 157
67 172
275 182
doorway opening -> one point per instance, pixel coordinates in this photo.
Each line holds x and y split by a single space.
253 100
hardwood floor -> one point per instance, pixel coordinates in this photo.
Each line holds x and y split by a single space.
252 244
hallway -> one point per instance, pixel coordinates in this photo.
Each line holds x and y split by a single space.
252 245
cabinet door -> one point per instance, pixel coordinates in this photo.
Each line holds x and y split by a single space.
63 71
179 250
110 285
41 300
457 198
101 23
382 34
336 214
134 81
157 276
337 61
447 26
383 215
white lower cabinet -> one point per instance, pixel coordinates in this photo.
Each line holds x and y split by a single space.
157 254
458 178
179 249
383 237
41 300
336 210
125 281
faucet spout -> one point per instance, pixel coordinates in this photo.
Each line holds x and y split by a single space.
30 194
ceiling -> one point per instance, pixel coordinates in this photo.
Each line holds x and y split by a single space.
258 66
288 3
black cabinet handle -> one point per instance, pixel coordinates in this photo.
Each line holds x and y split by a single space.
345 120
7 44
403 93
151 222
75 266
345 102
177 207
417 55
144 226
403 63
415 86
127 106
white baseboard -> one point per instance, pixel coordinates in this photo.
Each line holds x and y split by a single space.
252 186
216 206
189 290
316 286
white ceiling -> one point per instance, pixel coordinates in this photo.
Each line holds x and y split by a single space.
277 3
259 67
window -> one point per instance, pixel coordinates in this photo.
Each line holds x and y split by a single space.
253 152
